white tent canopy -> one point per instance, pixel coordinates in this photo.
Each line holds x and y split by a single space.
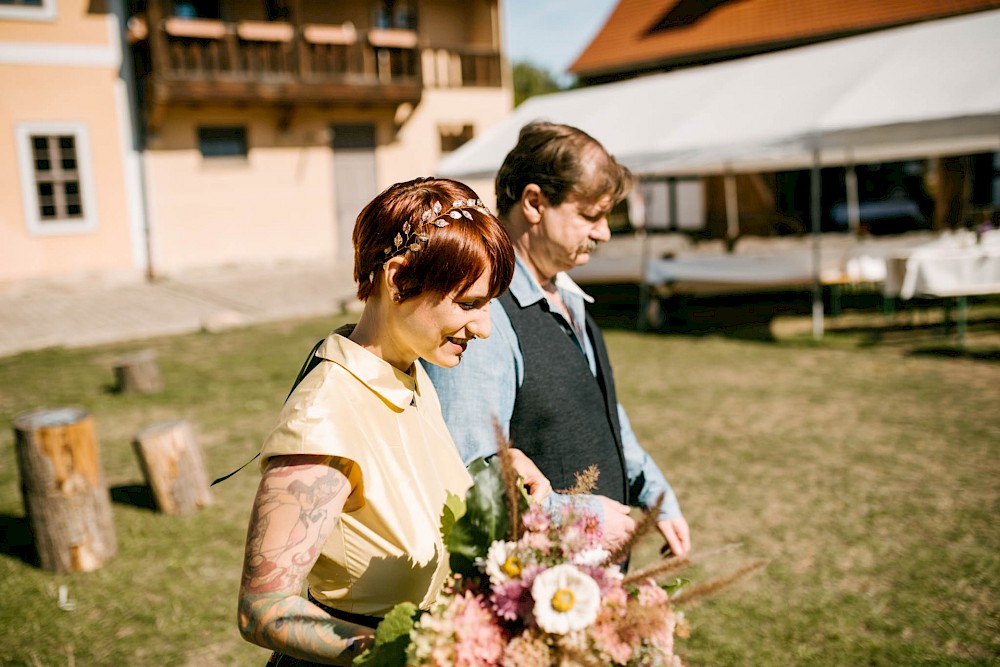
917 91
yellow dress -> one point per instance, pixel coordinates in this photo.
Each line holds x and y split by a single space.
387 546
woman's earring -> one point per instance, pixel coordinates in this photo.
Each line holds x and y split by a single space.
395 297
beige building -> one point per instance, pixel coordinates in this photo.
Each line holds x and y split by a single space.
261 127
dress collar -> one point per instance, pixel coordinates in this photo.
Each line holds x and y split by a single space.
526 290
391 384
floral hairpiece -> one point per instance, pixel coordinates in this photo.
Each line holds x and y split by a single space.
413 235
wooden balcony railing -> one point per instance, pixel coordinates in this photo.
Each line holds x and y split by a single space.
209 61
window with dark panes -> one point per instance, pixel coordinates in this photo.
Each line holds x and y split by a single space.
57 177
223 141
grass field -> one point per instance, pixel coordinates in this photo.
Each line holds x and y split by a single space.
864 470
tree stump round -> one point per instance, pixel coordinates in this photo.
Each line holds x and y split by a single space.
174 467
138 373
62 483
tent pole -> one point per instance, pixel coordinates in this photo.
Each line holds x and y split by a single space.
853 204
732 208
817 289
637 205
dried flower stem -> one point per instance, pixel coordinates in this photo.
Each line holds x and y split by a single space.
574 657
712 586
672 563
586 482
509 482
657 569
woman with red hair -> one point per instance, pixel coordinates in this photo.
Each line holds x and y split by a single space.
356 473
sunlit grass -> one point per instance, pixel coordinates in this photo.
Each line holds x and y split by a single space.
867 476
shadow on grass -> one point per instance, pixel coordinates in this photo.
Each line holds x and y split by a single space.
744 317
137 495
17 540
955 352
749 316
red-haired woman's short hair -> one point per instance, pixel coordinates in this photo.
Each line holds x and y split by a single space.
450 258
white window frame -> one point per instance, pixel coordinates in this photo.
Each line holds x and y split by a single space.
29 189
46 12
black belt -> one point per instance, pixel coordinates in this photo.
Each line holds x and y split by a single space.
349 617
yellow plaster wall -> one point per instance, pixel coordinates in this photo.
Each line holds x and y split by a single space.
74 23
76 95
274 206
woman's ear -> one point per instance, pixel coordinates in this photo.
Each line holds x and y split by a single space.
532 202
391 277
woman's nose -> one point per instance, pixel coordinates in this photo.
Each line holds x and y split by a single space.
480 325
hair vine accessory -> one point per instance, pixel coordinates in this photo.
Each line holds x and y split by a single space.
413 235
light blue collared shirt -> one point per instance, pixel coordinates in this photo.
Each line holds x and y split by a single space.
486 382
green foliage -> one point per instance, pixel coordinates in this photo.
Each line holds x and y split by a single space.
391 638
454 509
485 520
530 80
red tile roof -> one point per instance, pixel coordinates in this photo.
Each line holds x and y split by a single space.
640 34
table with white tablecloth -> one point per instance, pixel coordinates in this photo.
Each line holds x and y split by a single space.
957 265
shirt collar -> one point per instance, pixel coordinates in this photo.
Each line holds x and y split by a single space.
391 384
526 290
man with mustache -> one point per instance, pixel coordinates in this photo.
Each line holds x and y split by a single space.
545 373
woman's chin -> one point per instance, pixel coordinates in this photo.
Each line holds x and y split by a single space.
444 360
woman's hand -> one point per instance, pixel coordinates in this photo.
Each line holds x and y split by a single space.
538 485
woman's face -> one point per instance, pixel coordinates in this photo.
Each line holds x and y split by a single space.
438 330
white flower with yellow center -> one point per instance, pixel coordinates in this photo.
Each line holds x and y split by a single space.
502 562
566 599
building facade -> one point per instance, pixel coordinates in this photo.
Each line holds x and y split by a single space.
234 131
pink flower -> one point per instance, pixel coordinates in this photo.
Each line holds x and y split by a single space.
527 650
511 599
536 519
651 595
463 633
537 541
606 639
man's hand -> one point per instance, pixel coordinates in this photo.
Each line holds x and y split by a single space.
618 525
538 485
675 532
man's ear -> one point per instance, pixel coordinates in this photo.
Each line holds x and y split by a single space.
532 202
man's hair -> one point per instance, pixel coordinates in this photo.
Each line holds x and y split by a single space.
450 257
563 161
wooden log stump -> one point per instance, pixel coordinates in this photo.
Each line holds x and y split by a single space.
174 467
62 483
138 373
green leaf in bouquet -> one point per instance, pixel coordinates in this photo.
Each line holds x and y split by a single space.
672 587
392 636
485 520
453 510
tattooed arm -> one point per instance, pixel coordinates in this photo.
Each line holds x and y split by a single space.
298 503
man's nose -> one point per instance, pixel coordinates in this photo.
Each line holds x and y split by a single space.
601 231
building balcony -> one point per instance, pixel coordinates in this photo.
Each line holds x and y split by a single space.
206 61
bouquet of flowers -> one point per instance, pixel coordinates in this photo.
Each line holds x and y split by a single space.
531 589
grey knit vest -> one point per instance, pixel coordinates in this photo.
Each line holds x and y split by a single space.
564 418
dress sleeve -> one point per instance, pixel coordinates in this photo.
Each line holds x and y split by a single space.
319 419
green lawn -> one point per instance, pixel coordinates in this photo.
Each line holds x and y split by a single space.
865 473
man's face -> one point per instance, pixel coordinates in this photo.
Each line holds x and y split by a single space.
570 232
